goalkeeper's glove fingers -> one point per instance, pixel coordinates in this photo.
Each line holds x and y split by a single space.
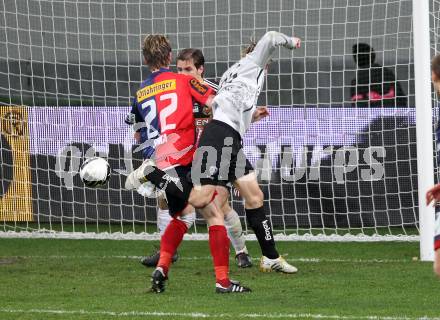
137 177
147 190
132 181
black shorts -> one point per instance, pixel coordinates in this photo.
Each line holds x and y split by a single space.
219 158
176 204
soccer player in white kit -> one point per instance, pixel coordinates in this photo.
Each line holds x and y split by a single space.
234 109
220 158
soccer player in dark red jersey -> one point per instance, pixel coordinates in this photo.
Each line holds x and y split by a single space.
165 103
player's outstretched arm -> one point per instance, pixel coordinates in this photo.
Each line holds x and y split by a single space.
267 44
201 93
433 195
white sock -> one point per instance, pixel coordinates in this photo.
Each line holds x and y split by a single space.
235 232
163 219
188 219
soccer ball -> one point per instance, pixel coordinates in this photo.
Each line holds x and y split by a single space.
95 172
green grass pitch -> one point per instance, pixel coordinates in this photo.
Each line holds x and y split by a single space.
102 279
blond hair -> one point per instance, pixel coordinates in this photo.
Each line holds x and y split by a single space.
249 48
156 50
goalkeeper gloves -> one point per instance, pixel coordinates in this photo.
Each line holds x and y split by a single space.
147 190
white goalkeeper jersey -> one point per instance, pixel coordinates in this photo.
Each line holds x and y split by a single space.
241 84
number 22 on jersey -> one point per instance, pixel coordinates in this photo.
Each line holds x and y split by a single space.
164 114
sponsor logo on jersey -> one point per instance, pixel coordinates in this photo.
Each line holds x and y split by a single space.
149 91
201 122
200 88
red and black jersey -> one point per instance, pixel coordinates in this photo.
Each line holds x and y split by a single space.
201 116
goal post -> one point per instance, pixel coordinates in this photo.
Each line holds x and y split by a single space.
424 120
335 163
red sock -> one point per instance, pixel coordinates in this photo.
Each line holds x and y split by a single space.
169 242
219 245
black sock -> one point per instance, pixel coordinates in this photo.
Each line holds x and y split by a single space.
263 231
176 186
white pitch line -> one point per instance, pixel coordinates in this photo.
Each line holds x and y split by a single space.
208 315
48 234
299 259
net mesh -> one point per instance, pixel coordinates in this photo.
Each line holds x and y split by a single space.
337 156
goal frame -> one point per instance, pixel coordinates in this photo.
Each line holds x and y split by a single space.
420 33
424 132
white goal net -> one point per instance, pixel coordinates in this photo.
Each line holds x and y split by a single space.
337 156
